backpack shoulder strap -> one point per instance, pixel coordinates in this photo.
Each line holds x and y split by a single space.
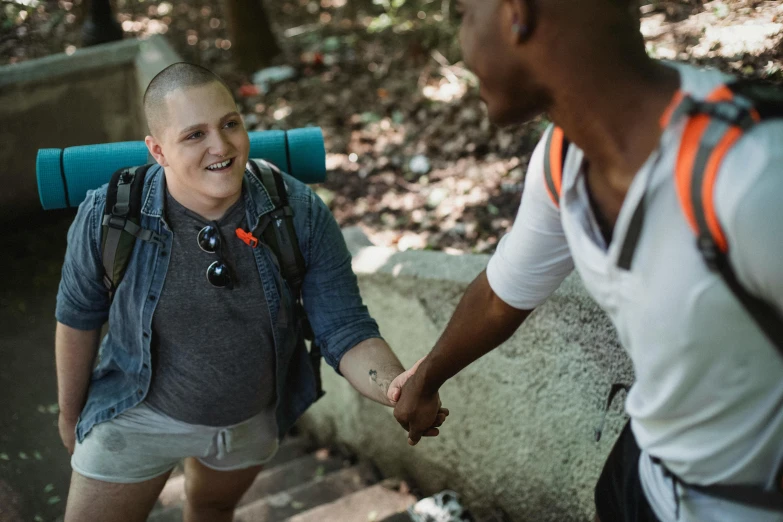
277 226
121 223
712 128
556 149
277 229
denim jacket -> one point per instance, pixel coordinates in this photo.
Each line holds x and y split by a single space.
122 376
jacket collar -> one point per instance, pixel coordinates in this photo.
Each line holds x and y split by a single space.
255 194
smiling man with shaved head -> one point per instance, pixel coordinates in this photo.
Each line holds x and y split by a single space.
661 184
205 357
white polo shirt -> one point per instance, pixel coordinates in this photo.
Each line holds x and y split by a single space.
708 396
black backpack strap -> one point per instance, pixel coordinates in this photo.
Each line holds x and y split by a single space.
121 223
703 148
277 226
277 229
748 495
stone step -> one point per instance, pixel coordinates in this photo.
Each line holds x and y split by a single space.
292 455
369 504
290 449
292 474
303 497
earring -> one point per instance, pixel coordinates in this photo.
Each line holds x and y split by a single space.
520 30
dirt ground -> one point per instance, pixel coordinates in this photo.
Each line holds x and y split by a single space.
412 157
419 164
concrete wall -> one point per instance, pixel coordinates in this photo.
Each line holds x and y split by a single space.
92 96
520 433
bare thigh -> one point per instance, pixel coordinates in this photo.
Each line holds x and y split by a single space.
207 488
90 499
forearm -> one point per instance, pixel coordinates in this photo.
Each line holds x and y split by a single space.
75 352
370 367
481 322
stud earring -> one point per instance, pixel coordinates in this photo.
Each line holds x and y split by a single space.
521 30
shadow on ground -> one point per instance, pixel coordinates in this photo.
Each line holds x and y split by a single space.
34 466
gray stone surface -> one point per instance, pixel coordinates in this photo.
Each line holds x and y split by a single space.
306 496
520 434
370 504
91 96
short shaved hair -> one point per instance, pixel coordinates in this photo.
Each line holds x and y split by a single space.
180 75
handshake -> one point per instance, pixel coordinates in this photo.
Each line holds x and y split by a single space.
418 410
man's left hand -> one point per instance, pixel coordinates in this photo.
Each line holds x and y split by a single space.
395 391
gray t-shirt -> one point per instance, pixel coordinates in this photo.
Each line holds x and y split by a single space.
212 348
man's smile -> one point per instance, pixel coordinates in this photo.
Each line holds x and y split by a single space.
221 165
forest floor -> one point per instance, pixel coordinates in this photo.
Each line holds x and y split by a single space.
412 158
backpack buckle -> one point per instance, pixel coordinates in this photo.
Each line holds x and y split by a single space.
108 283
709 251
732 113
117 222
126 177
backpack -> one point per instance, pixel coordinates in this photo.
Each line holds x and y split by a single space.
121 229
713 126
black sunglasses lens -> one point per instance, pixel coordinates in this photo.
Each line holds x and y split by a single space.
218 275
208 239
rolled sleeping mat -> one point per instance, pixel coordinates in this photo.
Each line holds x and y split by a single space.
65 175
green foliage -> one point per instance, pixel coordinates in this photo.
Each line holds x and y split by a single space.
434 23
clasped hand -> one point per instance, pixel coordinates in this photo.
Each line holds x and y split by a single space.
420 414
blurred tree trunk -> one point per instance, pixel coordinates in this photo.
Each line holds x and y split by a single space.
253 43
100 25
350 10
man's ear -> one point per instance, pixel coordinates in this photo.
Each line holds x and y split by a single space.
523 19
156 150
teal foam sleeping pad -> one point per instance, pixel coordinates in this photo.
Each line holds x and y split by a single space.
65 175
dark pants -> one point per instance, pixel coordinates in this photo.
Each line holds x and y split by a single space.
618 494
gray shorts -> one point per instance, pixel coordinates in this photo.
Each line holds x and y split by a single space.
143 443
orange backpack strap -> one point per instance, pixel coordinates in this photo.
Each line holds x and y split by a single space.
712 128
554 160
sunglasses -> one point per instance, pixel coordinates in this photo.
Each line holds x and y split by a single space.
218 273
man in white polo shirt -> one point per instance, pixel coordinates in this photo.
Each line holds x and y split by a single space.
707 405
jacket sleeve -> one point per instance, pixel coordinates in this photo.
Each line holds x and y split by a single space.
82 299
330 290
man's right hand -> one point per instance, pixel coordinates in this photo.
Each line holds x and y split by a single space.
419 413
67 428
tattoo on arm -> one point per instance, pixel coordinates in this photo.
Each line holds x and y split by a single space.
383 382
